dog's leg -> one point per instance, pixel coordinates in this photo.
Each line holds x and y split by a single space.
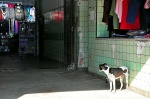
114 85
110 82
121 82
127 82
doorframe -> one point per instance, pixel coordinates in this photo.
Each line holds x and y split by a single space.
69 31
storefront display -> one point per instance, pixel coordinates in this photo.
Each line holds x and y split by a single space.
17 24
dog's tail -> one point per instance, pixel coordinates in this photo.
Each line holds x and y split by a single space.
126 73
127 80
125 70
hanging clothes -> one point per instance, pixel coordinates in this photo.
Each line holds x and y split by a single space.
125 24
133 10
10 5
16 27
119 9
106 12
146 12
11 17
115 17
147 4
29 16
4 26
5 12
19 13
12 25
0 15
25 12
32 13
6 5
11 10
143 23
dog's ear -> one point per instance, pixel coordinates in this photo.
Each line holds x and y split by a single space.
105 67
101 66
105 64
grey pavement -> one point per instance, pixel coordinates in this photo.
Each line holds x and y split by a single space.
57 84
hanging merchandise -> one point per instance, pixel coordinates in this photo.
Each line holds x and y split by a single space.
5 12
4 26
118 9
17 22
32 13
147 4
106 12
25 12
26 38
115 19
29 16
11 10
3 4
16 27
19 13
11 19
0 15
10 5
22 29
133 12
12 30
125 24
145 12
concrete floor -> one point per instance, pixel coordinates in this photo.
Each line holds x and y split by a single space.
18 82
13 62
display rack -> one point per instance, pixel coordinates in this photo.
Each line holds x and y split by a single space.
8 45
17 28
5 45
27 39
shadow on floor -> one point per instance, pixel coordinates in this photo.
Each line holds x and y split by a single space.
32 78
14 62
35 81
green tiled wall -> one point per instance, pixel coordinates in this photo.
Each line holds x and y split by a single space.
101 27
82 13
99 50
125 54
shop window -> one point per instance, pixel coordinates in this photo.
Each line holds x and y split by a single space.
109 23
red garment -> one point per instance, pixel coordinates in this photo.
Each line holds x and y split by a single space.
0 15
124 24
10 5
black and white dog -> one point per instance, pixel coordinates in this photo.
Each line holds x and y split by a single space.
115 73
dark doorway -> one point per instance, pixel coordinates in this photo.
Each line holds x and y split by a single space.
69 31
41 36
